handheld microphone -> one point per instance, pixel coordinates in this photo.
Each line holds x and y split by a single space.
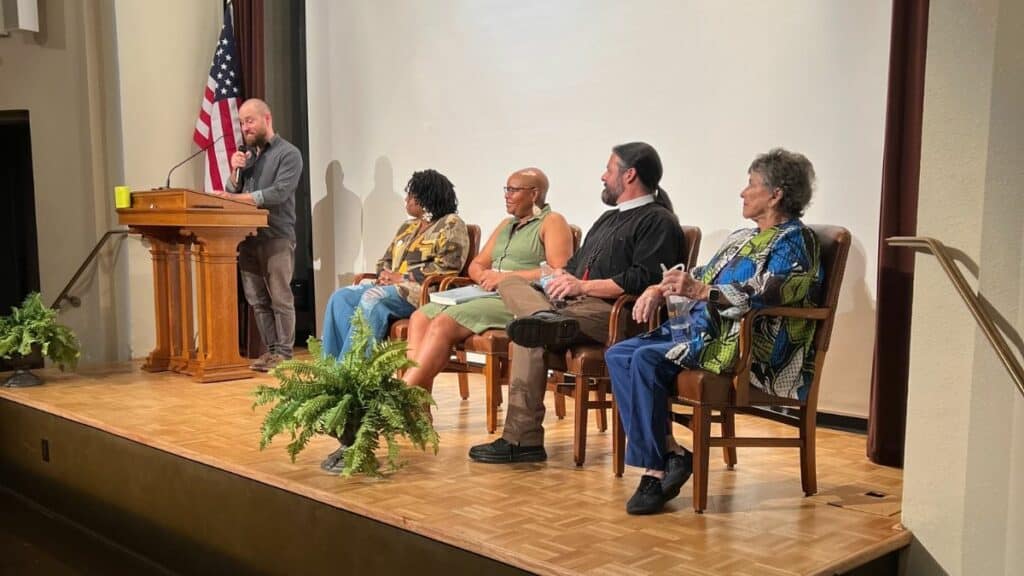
238 171
167 184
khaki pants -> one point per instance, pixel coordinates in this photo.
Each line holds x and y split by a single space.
524 419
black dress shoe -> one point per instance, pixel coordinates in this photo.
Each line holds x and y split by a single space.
502 451
678 468
543 328
648 498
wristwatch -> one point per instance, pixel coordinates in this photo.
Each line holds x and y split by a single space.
715 296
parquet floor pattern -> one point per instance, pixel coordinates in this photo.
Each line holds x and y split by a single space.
551 518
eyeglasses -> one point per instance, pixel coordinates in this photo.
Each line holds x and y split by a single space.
514 189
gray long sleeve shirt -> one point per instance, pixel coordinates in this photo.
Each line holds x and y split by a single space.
272 179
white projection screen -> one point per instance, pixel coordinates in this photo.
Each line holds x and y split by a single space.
479 88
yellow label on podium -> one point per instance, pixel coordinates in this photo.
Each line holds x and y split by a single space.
122 197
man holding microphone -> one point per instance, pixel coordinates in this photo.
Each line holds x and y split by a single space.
266 172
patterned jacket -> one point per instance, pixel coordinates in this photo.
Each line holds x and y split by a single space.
442 248
780 266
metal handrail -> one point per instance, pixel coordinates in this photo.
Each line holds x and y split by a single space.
75 301
995 337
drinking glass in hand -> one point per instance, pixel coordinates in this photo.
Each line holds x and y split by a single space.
679 317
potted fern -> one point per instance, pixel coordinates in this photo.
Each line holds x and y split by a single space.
32 331
357 400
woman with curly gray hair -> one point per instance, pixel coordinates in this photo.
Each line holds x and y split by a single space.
776 263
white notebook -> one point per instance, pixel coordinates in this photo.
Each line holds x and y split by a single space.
460 295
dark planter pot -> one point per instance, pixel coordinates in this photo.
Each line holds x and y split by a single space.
23 377
335 461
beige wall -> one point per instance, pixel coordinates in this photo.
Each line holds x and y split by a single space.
113 88
59 75
163 56
963 474
478 89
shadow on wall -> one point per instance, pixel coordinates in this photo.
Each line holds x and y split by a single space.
972 269
847 377
384 209
52 28
965 263
338 219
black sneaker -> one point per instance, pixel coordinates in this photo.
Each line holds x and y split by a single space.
502 451
678 468
648 498
543 328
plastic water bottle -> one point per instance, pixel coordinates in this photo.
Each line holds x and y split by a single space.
547 273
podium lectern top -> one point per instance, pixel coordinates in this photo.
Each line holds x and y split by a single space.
187 208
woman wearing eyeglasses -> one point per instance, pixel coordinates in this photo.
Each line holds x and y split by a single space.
533 234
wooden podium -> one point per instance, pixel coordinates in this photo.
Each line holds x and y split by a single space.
179 225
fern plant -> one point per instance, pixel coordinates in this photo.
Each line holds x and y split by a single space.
33 324
358 398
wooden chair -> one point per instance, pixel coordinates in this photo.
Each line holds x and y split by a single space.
581 370
493 346
399 329
727 394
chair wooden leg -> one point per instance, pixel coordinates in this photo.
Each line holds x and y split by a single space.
808 465
602 396
701 426
503 369
618 442
729 431
559 397
463 377
579 439
492 391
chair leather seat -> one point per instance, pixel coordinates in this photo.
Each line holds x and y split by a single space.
716 389
585 359
704 387
399 330
487 342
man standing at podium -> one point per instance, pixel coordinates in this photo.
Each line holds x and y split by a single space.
266 172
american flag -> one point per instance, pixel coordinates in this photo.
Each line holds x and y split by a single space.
219 113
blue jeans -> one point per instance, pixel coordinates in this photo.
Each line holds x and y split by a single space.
378 309
641 377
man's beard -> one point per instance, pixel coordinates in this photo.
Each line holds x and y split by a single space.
258 140
610 197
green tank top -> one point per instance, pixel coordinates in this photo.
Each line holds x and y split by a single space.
520 249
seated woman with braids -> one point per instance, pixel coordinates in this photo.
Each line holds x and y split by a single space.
516 248
776 263
433 241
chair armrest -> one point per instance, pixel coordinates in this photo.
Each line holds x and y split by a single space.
620 323
363 276
793 312
456 282
741 380
658 316
432 283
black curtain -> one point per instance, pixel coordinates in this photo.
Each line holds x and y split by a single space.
19 259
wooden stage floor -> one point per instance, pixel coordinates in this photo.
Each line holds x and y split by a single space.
551 518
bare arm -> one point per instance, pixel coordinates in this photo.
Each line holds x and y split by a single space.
482 263
557 238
